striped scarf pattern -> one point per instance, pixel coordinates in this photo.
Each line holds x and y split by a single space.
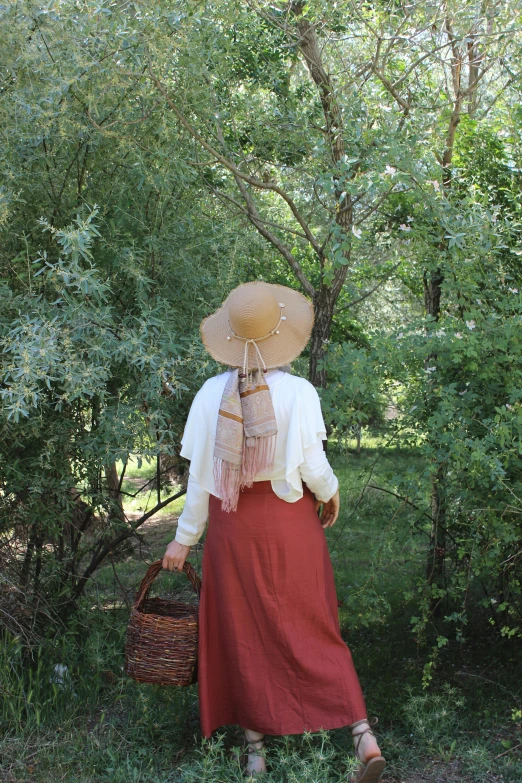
245 436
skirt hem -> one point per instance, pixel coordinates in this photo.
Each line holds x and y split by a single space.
284 732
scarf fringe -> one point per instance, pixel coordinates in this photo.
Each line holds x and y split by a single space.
227 479
258 457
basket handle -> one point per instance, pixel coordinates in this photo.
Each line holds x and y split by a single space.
152 572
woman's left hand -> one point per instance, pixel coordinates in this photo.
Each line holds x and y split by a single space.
330 510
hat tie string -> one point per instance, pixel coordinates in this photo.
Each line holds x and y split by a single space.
254 341
258 356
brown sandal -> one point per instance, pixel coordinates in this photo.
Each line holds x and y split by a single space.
251 748
373 769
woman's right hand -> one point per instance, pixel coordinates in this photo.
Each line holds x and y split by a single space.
175 556
330 510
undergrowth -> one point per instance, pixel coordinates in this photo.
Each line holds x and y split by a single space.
90 723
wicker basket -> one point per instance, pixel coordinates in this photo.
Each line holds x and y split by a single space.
162 635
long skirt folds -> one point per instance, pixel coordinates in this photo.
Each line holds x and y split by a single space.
271 656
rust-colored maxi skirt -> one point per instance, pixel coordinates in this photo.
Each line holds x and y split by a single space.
271 657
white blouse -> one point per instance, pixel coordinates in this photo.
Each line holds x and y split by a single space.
299 453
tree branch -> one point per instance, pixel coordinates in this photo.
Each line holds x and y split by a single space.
393 92
371 291
220 194
101 551
234 169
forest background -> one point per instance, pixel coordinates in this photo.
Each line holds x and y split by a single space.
155 155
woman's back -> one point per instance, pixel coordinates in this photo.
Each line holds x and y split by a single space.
299 452
299 420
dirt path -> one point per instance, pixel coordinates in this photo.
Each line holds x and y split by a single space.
154 535
157 529
442 772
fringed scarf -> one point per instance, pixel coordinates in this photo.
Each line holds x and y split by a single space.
245 436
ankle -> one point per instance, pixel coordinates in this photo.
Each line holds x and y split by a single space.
360 727
253 736
255 742
364 740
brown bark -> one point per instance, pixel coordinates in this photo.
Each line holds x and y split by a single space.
113 485
324 303
437 546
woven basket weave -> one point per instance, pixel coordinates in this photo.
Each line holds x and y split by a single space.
162 635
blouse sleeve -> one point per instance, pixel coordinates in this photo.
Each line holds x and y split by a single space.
197 442
195 447
305 428
310 416
314 468
317 472
192 430
191 523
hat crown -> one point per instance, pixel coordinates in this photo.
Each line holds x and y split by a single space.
253 312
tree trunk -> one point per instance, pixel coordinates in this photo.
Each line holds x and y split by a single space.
325 298
324 304
432 301
113 485
437 548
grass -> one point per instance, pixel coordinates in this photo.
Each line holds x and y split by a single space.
138 502
105 727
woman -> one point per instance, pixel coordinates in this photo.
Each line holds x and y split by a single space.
271 657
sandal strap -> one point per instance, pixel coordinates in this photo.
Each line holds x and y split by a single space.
359 734
372 722
251 750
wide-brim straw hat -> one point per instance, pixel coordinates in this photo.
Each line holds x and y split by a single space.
276 318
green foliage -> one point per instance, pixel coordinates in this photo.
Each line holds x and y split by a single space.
434 719
462 388
309 758
108 266
354 397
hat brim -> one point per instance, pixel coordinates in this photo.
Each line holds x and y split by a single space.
276 350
